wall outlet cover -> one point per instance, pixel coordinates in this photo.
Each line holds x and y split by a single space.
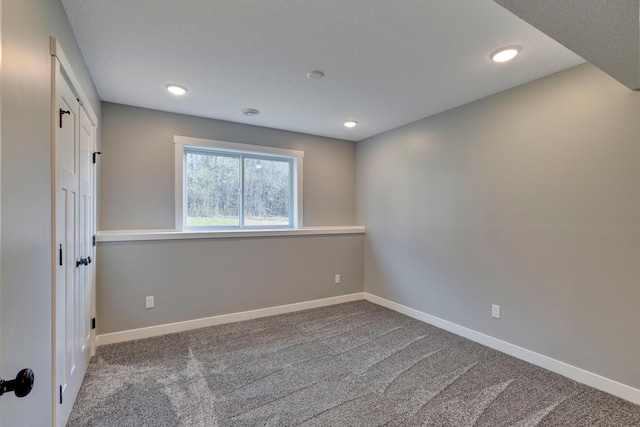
495 311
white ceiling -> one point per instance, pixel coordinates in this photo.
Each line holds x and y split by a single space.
386 63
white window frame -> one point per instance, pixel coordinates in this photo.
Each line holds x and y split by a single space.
236 149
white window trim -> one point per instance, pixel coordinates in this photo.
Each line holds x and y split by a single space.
234 147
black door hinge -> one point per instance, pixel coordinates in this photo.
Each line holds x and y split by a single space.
60 254
93 240
95 154
61 395
93 323
62 113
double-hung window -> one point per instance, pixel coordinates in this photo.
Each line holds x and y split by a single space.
225 185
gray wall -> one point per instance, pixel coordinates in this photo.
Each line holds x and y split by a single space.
26 197
137 167
529 199
192 279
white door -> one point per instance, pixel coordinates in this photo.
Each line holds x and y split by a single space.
71 351
86 229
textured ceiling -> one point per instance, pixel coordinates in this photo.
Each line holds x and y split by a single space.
604 32
386 63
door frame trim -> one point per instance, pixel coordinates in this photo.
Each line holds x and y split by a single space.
0 175
76 87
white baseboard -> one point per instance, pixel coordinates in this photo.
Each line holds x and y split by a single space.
577 374
154 331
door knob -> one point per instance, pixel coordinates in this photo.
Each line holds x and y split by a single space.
21 386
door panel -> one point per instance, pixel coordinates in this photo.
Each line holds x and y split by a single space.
65 136
86 229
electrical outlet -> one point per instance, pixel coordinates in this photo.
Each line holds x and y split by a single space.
337 279
495 311
150 302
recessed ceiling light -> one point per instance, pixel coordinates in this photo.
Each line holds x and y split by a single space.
176 89
505 54
250 112
350 123
315 75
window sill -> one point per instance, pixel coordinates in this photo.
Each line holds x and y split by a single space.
147 235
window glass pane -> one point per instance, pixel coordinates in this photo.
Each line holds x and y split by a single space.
267 191
212 190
